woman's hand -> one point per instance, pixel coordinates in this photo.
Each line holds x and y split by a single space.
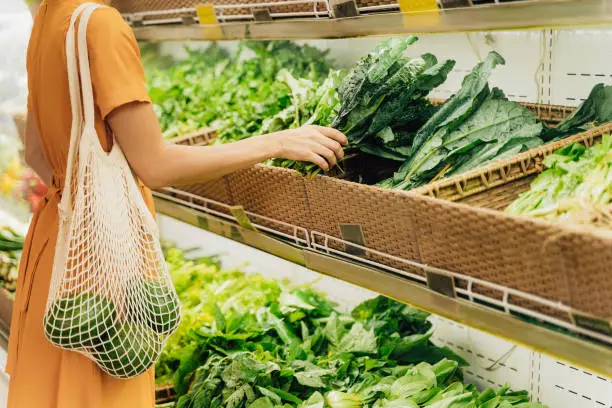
320 145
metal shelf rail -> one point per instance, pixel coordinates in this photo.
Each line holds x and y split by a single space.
529 14
317 251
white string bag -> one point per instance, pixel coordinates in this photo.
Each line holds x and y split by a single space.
111 297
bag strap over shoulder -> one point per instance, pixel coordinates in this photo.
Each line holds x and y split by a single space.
79 83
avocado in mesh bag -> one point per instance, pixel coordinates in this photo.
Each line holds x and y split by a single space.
162 310
128 350
79 321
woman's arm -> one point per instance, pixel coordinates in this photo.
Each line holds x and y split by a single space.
160 164
33 151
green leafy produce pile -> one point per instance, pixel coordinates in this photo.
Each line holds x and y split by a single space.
232 92
253 342
383 110
311 104
383 98
11 244
473 127
575 188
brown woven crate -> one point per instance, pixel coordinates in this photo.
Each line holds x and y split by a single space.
385 217
586 259
200 138
272 192
581 257
137 6
280 9
217 190
372 3
491 246
164 393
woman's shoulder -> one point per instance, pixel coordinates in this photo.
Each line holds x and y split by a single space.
107 24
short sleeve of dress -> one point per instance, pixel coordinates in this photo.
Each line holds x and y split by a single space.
116 71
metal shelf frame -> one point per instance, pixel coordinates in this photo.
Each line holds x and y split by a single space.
315 254
532 14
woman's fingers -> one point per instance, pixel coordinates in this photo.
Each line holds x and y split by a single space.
326 153
316 159
332 134
331 144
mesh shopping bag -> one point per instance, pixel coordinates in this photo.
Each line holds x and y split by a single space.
111 297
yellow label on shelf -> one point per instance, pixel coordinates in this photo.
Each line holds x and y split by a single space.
211 29
407 6
419 13
241 217
206 14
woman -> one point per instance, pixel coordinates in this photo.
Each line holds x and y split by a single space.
43 376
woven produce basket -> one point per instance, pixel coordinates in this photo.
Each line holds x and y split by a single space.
202 137
389 5
384 218
186 8
273 192
164 393
569 265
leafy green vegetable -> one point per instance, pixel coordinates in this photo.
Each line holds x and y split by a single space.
475 126
575 188
383 98
10 240
233 93
261 343
596 109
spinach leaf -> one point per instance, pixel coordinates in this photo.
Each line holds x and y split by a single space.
475 126
596 109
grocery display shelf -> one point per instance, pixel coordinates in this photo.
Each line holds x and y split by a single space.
312 250
530 14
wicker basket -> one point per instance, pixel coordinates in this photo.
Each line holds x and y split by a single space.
569 265
164 393
186 8
200 138
384 218
390 5
382 215
273 192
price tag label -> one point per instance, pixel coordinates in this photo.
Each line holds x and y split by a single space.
208 20
419 13
206 14
242 218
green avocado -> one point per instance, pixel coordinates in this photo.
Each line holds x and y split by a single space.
78 321
128 350
162 308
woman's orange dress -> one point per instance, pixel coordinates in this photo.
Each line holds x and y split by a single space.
44 376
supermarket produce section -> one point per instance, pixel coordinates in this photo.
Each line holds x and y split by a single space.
459 256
